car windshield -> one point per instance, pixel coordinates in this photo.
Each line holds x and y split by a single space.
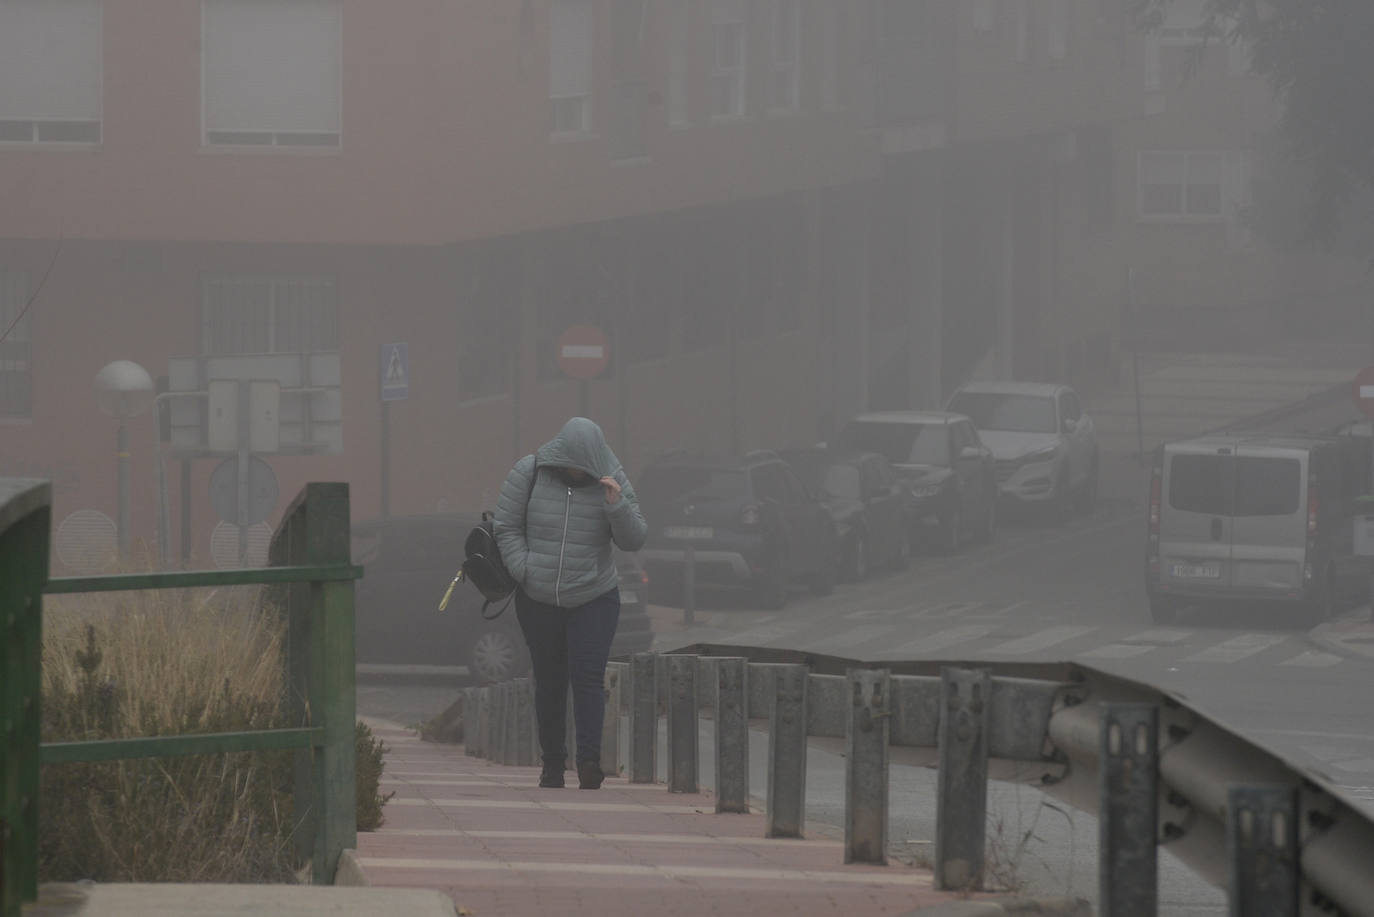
672 483
900 443
842 482
1007 413
838 479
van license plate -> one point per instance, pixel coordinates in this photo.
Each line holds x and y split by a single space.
1196 571
690 532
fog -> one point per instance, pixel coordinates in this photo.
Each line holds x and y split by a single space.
887 309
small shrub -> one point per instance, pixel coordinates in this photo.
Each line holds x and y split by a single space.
368 778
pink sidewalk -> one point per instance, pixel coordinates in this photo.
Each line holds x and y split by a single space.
488 837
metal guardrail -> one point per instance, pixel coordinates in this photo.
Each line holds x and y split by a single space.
1154 770
312 581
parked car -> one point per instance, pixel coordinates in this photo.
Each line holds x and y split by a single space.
1258 517
869 505
408 563
750 522
1045 446
944 464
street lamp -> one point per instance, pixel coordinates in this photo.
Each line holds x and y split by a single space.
123 390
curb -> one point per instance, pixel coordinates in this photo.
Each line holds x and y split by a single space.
1324 636
1026 907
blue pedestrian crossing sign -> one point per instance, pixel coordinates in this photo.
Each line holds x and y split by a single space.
394 370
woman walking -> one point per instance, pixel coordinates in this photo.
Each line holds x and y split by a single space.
558 515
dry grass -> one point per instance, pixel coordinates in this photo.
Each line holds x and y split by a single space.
159 663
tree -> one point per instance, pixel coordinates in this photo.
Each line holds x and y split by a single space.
1318 58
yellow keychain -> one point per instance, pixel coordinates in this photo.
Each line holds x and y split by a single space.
443 603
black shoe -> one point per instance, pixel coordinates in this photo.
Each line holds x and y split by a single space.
552 776
589 775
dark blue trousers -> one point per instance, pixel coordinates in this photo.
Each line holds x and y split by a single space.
569 646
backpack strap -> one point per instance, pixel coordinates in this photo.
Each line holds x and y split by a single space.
488 603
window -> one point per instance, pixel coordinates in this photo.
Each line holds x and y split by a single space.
243 314
627 104
964 438
570 66
1181 184
728 32
1012 413
16 353
271 73
770 484
679 70
50 71
1244 487
785 42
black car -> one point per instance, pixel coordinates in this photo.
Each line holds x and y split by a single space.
939 456
408 563
870 506
749 521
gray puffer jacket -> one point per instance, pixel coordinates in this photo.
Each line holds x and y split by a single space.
560 550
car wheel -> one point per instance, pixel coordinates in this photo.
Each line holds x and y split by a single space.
1087 496
771 588
496 655
857 568
952 530
1163 609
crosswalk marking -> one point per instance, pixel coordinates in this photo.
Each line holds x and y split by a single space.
943 639
1117 651
1236 648
856 636
1039 640
1313 660
1160 637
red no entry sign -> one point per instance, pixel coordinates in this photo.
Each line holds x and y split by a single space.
1364 390
583 352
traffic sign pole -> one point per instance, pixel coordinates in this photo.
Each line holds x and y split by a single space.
1364 400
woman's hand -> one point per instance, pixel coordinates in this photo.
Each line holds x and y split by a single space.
612 488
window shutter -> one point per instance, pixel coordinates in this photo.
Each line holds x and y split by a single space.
272 66
50 60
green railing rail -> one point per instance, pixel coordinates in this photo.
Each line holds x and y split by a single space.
312 585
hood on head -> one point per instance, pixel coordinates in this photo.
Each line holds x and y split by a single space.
581 445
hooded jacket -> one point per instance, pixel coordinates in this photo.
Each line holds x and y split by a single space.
559 550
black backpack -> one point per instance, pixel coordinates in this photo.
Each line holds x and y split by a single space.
482 563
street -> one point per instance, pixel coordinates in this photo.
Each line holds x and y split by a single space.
1046 592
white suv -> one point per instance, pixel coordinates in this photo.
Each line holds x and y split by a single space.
1045 446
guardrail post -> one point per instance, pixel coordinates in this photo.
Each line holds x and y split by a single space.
643 719
333 694
481 729
682 724
25 520
610 723
786 801
962 799
732 734
501 721
866 766
1128 811
1262 846
470 739
524 723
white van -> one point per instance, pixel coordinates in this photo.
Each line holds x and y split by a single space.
1261 517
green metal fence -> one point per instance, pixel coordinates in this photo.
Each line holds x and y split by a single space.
312 580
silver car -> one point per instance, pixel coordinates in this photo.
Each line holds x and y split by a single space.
1259 517
1045 446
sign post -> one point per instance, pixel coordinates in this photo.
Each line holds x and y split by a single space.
583 354
393 371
